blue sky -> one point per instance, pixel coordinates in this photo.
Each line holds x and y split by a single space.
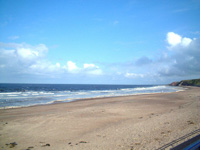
101 41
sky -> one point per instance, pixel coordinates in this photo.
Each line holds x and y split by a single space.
99 41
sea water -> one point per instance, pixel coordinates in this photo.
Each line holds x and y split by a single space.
22 95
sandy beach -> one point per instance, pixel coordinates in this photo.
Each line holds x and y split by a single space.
146 121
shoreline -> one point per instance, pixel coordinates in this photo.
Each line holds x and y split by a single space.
83 99
146 121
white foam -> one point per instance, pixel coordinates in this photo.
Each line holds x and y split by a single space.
10 93
130 89
45 97
81 93
150 88
59 95
46 93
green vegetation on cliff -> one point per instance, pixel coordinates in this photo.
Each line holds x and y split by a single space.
193 82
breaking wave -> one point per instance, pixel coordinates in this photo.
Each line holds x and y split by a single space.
34 95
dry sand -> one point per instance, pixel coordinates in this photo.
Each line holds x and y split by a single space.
133 122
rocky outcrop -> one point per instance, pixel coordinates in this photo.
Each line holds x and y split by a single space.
174 83
193 82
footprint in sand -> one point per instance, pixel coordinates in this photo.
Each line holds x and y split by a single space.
11 145
190 122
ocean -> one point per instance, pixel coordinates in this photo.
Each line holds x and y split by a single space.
23 95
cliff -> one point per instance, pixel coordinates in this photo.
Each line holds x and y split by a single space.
193 82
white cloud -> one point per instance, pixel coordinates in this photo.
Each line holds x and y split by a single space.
183 59
92 69
27 53
86 66
24 52
173 39
89 69
58 65
133 75
186 41
95 72
19 57
27 60
71 66
179 61
44 66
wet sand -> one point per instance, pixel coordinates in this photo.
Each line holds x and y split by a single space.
130 122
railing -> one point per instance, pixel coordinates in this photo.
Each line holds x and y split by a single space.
172 144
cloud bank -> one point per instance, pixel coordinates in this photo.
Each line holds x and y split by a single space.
179 60
184 56
24 59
